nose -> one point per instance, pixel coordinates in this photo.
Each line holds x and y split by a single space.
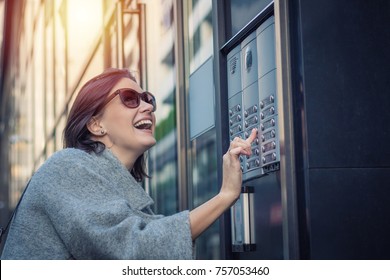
145 106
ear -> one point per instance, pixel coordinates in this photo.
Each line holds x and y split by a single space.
94 126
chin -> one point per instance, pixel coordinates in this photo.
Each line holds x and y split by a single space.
153 143
150 143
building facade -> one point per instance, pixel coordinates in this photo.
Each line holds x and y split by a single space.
218 69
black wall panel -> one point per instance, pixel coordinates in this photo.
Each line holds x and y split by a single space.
346 64
341 80
349 213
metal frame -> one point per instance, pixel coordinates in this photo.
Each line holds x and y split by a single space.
221 120
287 171
286 131
182 122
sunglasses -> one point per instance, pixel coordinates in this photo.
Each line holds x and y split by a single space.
132 98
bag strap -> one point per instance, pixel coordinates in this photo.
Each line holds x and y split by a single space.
4 230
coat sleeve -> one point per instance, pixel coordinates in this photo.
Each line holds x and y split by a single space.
95 222
115 231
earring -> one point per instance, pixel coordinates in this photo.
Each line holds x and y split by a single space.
102 132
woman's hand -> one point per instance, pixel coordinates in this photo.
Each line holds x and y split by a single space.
204 215
232 174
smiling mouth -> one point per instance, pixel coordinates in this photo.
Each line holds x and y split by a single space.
143 124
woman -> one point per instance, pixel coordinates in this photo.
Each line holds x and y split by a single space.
85 201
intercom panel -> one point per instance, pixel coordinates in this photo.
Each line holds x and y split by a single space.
251 164
268 129
252 99
266 47
235 117
249 61
234 71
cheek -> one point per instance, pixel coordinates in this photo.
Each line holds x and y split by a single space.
118 121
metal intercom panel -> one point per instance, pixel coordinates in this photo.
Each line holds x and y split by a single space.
253 99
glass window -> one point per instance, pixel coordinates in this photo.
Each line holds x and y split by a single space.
60 65
131 41
84 23
200 32
38 87
242 11
49 85
161 69
203 147
204 182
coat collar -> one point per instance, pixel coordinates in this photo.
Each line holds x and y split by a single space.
124 181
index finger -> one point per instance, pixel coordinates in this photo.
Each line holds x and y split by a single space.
252 136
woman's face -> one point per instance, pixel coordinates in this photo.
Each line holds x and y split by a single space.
128 130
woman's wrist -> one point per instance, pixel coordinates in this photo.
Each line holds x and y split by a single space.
228 198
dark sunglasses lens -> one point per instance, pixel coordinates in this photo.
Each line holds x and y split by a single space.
130 98
149 98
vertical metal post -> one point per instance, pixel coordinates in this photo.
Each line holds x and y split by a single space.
54 63
66 52
45 114
143 46
184 178
221 117
119 34
287 155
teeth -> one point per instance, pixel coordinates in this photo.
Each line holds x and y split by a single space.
143 122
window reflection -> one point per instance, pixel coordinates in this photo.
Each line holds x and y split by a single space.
242 11
161 67
204 170
204 174
84 23
200 32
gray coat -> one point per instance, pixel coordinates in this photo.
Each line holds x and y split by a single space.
88 206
